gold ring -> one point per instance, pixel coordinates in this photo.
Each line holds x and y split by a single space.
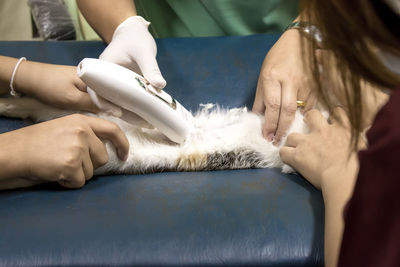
301 104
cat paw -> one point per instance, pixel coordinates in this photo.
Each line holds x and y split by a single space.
9 108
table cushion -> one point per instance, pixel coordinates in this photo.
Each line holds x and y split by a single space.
241 217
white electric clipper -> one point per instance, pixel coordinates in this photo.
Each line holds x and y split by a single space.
133 93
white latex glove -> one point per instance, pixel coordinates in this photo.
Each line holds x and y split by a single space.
133 47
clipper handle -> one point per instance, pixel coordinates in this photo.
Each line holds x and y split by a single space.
132 92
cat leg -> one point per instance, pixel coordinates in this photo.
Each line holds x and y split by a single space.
26 107
194 161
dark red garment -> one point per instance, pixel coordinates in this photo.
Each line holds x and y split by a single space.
372 219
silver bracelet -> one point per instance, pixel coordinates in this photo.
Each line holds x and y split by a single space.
12 90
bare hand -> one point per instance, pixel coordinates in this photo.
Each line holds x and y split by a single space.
323 156
281 83
65 150
55 85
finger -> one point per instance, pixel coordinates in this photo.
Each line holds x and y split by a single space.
87 166
294 139
84 102
272 102
311 101
288 110
75 181
80 84
97 151
307 94
315 120
287 155
258 104
341 117
111 131
151 72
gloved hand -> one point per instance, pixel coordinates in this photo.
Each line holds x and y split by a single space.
133 47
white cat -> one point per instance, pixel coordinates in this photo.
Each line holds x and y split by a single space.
221 139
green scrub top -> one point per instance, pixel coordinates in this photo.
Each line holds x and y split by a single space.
185 18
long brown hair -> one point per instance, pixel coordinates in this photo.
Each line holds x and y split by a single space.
353 30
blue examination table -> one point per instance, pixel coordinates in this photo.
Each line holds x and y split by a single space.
232 217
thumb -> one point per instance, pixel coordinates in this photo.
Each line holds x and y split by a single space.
151 72
314 119
85 103
341 117
104 104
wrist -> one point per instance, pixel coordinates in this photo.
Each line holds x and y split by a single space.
337 185
28 77
12 89
132 20
10 160
306 28
9 68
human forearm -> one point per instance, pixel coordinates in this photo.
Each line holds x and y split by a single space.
7 65
105 16
11 165
28 76
55 85
337 191
326 159
334 226
13 174
14 183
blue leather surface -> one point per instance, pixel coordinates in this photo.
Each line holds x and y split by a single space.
242 217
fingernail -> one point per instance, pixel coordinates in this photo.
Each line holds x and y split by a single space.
270 137
122 156
158 82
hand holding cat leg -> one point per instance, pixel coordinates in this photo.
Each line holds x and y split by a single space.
65 150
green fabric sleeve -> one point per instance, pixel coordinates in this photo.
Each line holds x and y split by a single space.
197 18
182 18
